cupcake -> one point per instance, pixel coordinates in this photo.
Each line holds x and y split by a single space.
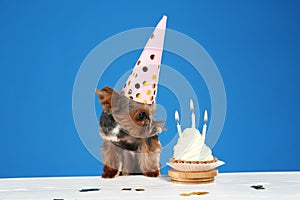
193 161
192 154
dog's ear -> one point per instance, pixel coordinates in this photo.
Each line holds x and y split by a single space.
104 96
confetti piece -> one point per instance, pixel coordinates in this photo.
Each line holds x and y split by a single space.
258 187
194 193
89 190
140 189
126 189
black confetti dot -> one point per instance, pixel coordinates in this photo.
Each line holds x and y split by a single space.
137 86
130 91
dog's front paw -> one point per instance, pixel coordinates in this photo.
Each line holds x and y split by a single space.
155 173
109 172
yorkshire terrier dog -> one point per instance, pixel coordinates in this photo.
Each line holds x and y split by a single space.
130 136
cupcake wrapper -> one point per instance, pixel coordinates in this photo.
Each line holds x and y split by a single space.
195 167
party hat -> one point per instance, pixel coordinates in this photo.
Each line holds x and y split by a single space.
141 85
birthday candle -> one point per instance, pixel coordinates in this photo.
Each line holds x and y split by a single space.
193 114
178 125
204 126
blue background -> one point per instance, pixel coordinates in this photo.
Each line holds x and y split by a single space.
255 45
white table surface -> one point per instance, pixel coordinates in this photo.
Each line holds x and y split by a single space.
278 185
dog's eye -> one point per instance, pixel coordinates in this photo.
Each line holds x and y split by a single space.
142 116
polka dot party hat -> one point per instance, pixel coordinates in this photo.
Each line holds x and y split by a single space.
141 85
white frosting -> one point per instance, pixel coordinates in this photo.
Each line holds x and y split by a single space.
191 147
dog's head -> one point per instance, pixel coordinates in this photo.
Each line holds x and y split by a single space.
136 118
